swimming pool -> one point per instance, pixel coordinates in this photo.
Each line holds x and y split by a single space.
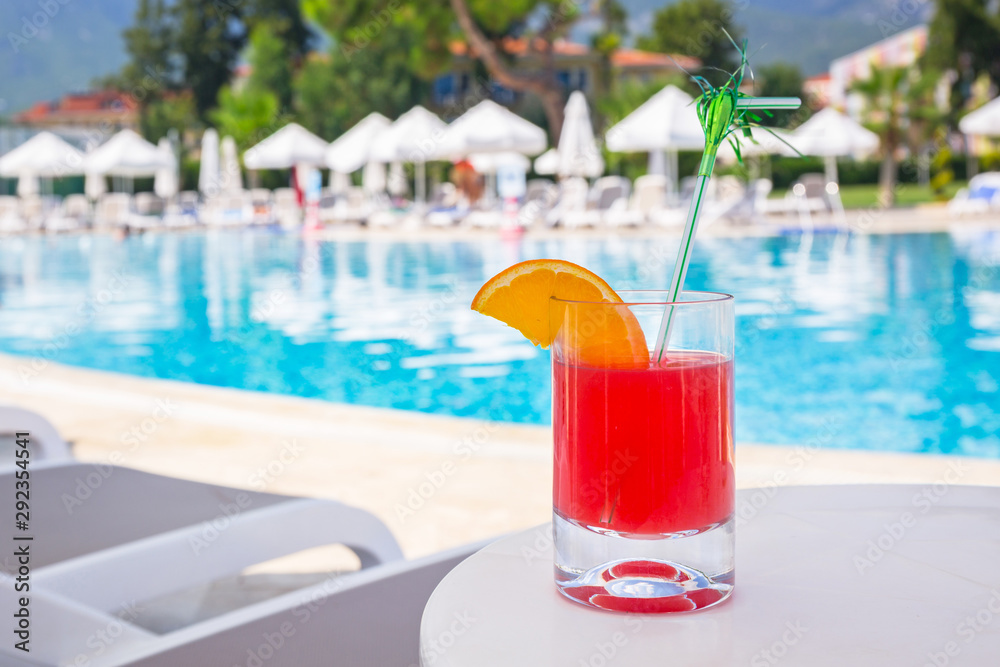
875 342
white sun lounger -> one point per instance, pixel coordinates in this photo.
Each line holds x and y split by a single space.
44 442
108 538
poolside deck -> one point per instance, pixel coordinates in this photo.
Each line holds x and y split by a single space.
436 481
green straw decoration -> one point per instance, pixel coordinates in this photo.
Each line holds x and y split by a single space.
722 113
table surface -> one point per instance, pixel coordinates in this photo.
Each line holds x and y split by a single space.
825 575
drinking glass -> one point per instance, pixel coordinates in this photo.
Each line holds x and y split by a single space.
643 492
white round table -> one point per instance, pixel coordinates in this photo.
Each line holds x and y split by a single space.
825 575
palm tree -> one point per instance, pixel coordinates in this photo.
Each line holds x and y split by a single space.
926 119
884 92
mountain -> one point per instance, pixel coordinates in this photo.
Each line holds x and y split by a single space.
809 33
42 56
46 54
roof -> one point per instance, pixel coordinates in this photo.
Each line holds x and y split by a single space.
78 107
519 46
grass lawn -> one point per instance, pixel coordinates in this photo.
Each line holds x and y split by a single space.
907 194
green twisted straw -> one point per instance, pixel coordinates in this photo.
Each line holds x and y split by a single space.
722 112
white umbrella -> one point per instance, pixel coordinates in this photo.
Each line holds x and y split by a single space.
44 155
95 185
352 150
490 128
208 170
578 152
830 134
413 137
668 121
290 146
165 181
985 120
373 177
548 162
127 154
230 176
397 180
764 142
27 184
340 182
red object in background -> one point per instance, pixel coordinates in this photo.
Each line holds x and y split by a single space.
299 193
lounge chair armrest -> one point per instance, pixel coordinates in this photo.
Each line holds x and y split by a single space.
183 558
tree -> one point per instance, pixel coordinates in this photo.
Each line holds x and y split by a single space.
884 92
149 72
925 121
244 115
271 63
484 26
614 30
964 36
696 28
285 20
781 80
208 44
334 91
193 45
174 111
249 112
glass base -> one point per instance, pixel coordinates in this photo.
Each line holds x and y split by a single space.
656 574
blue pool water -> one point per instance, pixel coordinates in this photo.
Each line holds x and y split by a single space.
874 342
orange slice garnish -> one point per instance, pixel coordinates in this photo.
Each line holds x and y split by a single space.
597 335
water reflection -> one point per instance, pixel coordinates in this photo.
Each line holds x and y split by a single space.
883 342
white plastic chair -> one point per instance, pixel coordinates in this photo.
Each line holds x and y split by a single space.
126 536
113 210
648 199
286 208
44 441
982 195
571 209
10 215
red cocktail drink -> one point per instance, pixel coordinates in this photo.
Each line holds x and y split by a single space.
645 452
643 486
